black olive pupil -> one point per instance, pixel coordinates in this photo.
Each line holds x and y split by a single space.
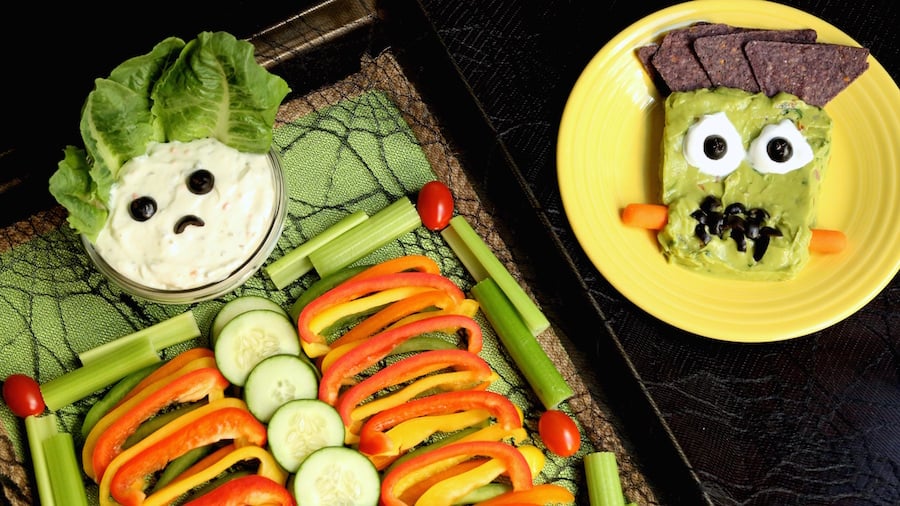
779 149
142 208
715 147
200 182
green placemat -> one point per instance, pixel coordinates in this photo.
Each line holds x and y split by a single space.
357 154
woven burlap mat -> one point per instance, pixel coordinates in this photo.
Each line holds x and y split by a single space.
383 72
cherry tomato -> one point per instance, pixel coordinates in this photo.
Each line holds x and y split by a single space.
23 395
559 433
435 205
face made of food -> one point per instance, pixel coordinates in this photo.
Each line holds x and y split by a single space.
188 214
740 176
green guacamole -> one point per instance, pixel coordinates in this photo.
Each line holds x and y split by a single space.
789 199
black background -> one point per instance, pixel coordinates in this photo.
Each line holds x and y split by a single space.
810 421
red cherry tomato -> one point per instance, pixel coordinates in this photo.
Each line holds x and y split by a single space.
23 395
435 205
559 433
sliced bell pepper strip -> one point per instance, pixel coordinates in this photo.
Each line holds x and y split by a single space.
538 495
213 390
374 440
414 492
380 345
449 490
412 471
407 369
410 433
406 263
168 369
225 410
250 490
394 312
191 386
267 468
443 382
311 321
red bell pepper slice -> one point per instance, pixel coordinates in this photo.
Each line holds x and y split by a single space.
407 473
250 490
191 386
411 367
219 462
380 345
394 312
169 368
374 440
316 344
129 479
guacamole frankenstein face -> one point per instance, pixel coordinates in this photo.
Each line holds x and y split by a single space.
740 176
745 145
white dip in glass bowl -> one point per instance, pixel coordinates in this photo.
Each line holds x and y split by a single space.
190 221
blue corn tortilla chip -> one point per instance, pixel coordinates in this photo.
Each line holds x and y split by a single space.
723 58
675 59
815 73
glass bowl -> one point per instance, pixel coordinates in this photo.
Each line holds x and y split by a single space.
253 262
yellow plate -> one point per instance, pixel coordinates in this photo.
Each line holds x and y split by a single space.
608 157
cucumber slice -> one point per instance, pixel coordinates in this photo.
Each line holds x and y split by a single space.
238 306
300 427
249 338
337 475
277 380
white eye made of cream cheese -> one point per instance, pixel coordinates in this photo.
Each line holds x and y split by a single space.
713 145
780 149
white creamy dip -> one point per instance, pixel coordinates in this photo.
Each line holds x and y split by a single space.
236 214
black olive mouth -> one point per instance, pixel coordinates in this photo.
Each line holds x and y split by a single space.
737 222
188 221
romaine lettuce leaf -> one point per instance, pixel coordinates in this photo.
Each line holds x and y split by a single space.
216 89
211 86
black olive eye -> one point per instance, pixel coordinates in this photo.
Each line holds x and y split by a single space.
200 182
189 220
779 149
715 147
142 208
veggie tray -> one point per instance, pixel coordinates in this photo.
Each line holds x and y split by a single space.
347 148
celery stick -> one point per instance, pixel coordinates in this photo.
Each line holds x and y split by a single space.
64 471
98 374
540 372
38 428
296 263
395 220
602 476
481 263
175 330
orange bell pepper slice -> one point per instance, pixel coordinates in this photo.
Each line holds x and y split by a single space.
538 495
169 368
